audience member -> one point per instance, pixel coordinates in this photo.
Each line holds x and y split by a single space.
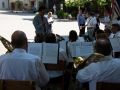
19 65
40 22
81 23
107 69
39 38
90 23
115 30
50 21
106 19
56 76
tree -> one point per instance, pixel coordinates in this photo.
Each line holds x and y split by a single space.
81 3
18 4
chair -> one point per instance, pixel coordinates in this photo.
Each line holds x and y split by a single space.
61 66
17 85
107 86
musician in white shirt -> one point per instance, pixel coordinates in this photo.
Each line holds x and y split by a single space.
106 19
116 30
19 65
56 76
107 69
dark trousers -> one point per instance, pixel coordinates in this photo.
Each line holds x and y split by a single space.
59 79
86 85
82 31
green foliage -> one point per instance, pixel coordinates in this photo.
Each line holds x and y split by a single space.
18 4
60 13
41 3
81 3
65 14
93 6
74 14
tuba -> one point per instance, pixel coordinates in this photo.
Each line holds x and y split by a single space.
82 62
6 44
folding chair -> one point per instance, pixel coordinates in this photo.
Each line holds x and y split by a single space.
18 85
107 86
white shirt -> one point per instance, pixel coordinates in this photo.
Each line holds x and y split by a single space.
106 20
117 35
20 65
62 56
119 22
107 70
91 22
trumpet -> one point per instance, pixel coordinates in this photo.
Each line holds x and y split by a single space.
82 62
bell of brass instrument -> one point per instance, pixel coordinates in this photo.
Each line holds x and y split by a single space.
6 44
81 62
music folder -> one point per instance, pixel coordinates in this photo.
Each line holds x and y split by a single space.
48 52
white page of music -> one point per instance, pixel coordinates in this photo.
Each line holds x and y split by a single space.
86 44
81 39
84 50
63 45
115 44
73 47
50 53
35 49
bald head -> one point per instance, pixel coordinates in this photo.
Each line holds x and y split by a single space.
18 39
103 46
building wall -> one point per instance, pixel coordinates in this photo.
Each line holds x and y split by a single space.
3 4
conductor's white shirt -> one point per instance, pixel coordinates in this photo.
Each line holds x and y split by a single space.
107 70
19 65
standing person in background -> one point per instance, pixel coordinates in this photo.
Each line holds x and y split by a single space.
90 23
81 23
54 8
40 22
50 21
106 19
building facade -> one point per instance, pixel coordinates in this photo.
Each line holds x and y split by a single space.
4 4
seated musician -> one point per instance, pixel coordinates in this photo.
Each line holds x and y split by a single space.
107 69
56 76
19 65
39 38
73 36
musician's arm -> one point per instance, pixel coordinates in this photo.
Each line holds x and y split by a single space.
37 23
84 75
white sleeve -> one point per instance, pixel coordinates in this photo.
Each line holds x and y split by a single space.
84 75
43 77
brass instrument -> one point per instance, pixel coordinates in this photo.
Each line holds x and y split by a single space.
7 44
81 62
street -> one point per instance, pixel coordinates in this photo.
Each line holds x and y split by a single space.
9 22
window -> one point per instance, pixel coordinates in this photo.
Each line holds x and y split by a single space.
3 5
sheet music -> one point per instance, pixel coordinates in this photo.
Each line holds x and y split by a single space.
35 49
50 53
63 45
73 47
81 39
86 44
84 50
115 44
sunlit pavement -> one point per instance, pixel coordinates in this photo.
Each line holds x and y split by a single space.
9 22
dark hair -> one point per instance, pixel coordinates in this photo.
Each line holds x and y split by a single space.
39 38
41 8
99 31
18 41
117 26
73 35
107 30
118 18
103 46
50 38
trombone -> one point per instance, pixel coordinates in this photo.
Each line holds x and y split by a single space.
82 62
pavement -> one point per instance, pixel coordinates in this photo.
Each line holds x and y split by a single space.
9 22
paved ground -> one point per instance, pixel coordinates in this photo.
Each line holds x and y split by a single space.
9 22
